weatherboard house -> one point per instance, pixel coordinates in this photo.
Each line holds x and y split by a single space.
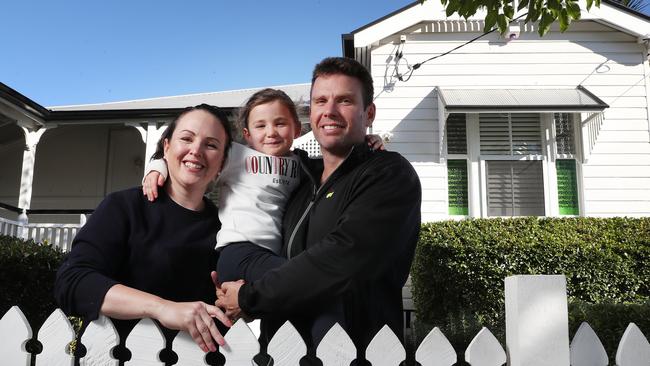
503 125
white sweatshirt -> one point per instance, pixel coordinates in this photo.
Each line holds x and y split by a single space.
254 189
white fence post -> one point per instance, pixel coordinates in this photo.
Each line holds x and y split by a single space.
537 318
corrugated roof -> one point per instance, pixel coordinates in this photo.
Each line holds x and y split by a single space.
224 99
476 100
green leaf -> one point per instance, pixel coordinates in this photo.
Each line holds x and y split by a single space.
589 4
490 20
545 22
452 7
573 9
564 20
502 21
533 12
524 4
509 11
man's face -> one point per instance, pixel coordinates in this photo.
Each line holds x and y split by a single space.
338 118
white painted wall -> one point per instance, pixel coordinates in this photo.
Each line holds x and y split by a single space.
607 62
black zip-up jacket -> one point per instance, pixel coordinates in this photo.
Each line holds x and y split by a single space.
351 239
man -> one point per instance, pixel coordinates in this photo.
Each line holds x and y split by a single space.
350 229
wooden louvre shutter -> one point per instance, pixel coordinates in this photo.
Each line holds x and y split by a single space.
526 134
456 134
495 134
510 134
567 187
457 187
515 188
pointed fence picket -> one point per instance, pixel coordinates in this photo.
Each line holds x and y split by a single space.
287 347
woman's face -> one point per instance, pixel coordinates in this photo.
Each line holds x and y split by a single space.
194 154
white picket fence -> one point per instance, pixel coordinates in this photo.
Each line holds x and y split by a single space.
287 347
58 235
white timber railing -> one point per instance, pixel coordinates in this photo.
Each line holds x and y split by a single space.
542 345
308 143
58 235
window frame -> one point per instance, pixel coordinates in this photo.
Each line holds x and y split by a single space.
477 165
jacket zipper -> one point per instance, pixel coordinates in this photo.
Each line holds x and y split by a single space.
311 203
304 214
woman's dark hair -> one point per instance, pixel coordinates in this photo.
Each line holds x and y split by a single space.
348 67
264 96
213 110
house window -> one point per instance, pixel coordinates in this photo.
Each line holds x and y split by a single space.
565 165
515 188
510 134
564 133
503 159
457 193
457 187
567 186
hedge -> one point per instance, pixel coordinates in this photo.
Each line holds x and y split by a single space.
27 273
460 266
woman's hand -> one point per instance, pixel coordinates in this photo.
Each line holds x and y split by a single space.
375 142
196 319
150 184
123 302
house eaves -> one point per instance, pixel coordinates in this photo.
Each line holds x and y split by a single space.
609 13
16 107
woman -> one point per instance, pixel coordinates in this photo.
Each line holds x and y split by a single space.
138 259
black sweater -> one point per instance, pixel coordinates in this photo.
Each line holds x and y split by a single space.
157 247
352 239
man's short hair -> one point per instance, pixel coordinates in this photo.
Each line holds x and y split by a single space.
349 67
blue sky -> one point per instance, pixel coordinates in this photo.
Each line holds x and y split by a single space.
76 52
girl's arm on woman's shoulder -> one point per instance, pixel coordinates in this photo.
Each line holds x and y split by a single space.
155 176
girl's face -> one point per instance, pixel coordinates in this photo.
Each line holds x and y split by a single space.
271 129
195 151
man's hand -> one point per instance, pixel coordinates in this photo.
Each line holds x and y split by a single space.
150 185
228 298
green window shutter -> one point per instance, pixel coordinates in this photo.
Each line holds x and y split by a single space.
457 184
567 187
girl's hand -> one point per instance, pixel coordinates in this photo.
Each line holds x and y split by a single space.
375 142
150 184
196 319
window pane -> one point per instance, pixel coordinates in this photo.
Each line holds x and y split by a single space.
510 134
567 187
457 187
564 133
456 134
515 188
495 134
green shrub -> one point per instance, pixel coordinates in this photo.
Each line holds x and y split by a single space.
609 321
460 267
27 273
